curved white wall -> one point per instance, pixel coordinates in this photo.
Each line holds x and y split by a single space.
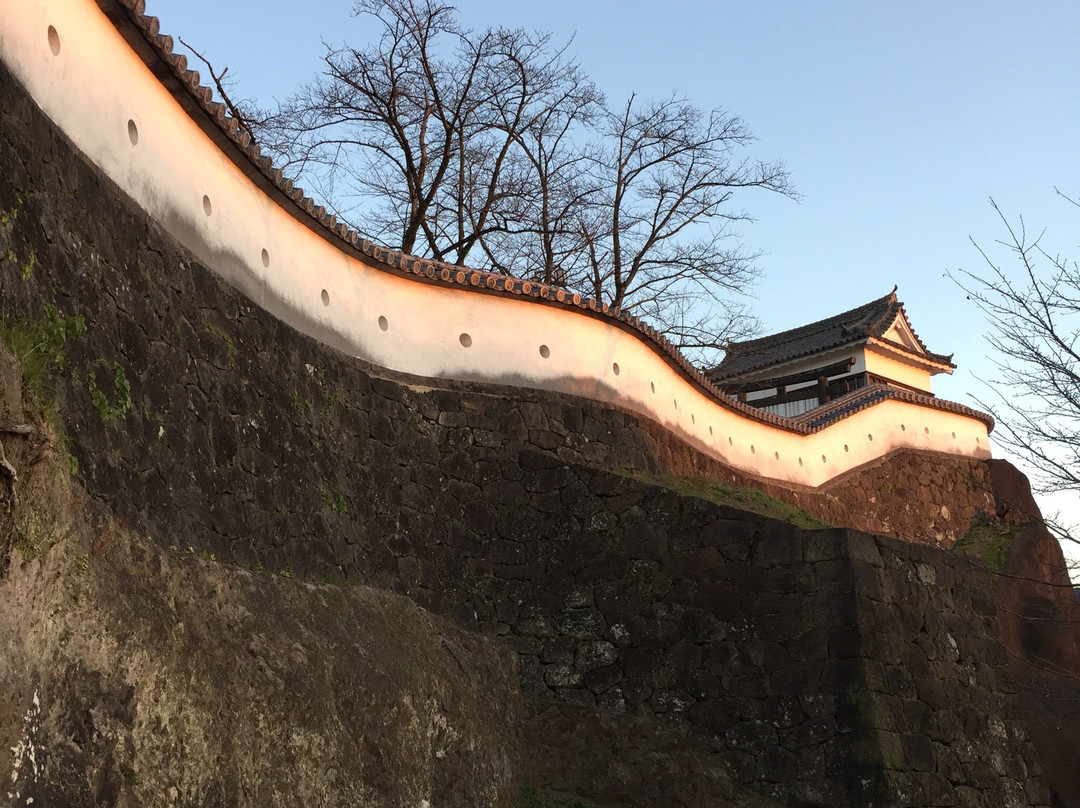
85 77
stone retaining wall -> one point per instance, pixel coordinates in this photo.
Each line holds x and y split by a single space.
192 413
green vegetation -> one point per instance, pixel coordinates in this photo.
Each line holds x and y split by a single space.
28 265
989 542
39 345
529 797
11 214
32 539
121 390
312 413
334 501
230 346
734 496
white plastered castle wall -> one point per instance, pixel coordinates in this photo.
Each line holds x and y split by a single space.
83 74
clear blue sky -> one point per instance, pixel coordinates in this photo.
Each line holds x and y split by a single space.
898 121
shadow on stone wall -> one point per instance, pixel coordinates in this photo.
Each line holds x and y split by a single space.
1039 619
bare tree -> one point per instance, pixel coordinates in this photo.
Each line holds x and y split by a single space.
662 244
493 147
545 242
425 124
1033 304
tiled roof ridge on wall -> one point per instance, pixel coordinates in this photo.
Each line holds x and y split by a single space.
422 269
850 403
432 271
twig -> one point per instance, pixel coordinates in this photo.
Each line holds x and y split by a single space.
217 77
6 467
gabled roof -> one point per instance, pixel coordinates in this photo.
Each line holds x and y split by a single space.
856 326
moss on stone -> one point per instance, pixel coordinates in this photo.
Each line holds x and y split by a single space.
530 797
734 496
989 542
40 346
121 392
31 537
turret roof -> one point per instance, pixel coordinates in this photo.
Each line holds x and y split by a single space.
857 325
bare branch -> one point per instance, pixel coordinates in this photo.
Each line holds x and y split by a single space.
1033 305
218 78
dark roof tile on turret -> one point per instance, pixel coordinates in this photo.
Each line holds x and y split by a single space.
871 319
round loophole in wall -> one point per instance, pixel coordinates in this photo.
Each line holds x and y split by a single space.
54 41
465 340
903 428
870 437
325 297
846 448
206 206
823 458
383 323
265 258
545 351
615 368
133 132
954 435
800 461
